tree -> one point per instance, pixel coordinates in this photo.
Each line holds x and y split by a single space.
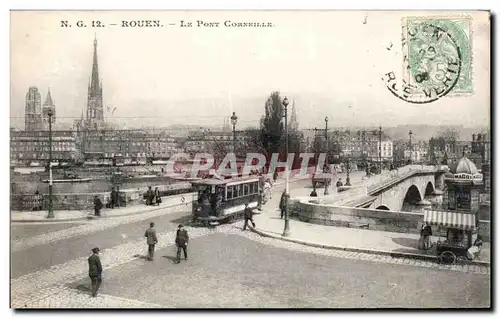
253 140
449 134
272 126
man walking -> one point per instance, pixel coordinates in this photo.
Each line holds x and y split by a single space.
151 240
181 240
97 206
149 196
95 271
283 203
248 217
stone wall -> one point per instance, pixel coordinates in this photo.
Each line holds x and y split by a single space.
85 201
381 220
137 196
68 201
309 210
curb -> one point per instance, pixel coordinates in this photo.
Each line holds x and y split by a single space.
359 250
92 217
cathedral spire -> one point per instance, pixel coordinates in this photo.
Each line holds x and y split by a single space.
94 82
48 100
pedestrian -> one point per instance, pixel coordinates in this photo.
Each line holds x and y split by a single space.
149 196
181 240
275 175
248 217
339 183
95 271
425 235
313 193
117 197
151 240
97 206
157 196
283 203
113 198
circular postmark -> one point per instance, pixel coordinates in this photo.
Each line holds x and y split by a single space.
432 63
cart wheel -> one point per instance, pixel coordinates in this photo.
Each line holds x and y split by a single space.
448 257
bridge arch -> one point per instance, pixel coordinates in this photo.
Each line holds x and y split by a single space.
383 207
429 188
413 195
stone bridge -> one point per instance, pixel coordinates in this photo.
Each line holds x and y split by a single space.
411 187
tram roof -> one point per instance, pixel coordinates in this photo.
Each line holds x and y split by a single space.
215 181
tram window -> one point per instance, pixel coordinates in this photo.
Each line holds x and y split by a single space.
240 190
245 189
251 190
229 193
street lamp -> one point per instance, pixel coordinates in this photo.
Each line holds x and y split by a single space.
286 231
348 179
411 152
51 210
328 170
234 120
380 147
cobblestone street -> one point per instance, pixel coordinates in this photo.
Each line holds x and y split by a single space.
228 267
231 268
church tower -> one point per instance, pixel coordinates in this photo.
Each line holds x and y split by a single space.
95 111
294 123
48 105
33 111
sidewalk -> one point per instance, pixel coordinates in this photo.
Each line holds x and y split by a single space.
78 215
350 239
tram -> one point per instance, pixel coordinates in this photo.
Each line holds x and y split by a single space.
223 200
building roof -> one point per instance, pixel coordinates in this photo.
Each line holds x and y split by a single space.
466 166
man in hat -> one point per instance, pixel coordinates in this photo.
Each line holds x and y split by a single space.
248 217
283 202
181 240
95 271
97 206
151 240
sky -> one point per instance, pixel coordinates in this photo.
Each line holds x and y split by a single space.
330 62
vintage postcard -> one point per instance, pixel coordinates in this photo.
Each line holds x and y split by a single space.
250 159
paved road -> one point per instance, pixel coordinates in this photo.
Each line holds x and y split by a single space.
46 255
43 256
227 270
20 231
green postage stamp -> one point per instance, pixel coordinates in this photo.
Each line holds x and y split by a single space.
437 53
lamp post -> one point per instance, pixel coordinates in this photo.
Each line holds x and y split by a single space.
380 147
411 152
348 179
286 231
327 181
51 210
234 120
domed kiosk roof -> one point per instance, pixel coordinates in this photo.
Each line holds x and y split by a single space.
466 166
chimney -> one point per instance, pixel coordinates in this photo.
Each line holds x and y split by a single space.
473 137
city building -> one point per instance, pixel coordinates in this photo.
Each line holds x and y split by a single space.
362 144
481 147
33 110
132 145
27 147
386 149
218 143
